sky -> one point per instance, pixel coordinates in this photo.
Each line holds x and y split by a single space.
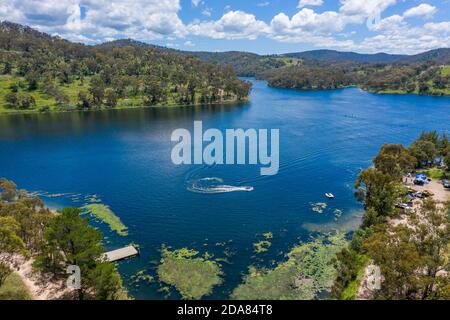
260 26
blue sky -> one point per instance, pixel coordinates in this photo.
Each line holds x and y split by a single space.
261 26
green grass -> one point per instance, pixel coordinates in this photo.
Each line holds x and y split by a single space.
106 215
14 289
445 71
350 292
434 173
308 271
41 98
48 103
288 62
193 277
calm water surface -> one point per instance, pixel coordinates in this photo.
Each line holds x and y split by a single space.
123 157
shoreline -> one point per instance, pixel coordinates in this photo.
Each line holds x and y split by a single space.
36 111
385 92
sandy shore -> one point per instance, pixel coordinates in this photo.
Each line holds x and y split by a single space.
41 286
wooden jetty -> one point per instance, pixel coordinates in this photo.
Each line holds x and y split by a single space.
121 254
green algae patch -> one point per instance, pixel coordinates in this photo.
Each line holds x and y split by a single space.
268 235
308 272
106 215
141 276
262 246
337 214
193 276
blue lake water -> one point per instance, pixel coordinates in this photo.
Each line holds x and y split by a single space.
123 157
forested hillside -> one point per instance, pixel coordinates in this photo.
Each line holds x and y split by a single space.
426 73
40 72
421 78
427 78
244 63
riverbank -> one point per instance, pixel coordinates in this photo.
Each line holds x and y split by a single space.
7 112
436 93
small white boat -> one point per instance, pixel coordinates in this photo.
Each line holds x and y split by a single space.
329 195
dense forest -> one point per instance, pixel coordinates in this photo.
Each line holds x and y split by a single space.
246 64
426 78
41 72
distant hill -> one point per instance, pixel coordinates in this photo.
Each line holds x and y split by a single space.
247 63
438 55
332 55
441 56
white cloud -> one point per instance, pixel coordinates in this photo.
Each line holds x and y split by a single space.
189 44
393 22
440 27
304 3
232 25
141 19
308 20
367 8
399 37
422 10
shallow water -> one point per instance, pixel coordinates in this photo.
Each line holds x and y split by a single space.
123 157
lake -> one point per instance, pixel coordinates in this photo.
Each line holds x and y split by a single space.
123 157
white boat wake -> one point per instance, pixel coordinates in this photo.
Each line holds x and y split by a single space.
214 185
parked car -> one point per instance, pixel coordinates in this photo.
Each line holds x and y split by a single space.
403 206
420 195
446 184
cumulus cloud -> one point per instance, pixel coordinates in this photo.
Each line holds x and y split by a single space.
366 8
440 27
422 10
143 19
308 20
304 3
232 25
